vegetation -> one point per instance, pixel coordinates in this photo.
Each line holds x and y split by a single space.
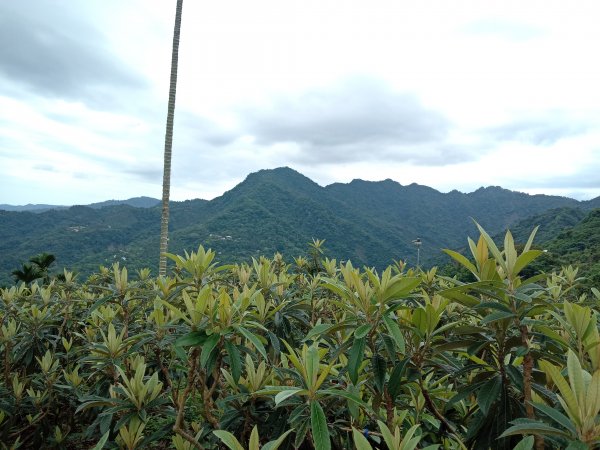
273 211
579 246
311 355
37 268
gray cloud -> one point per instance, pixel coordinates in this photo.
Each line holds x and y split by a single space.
543 131
45 168
357 119
196 129
586 178
146 173
54 53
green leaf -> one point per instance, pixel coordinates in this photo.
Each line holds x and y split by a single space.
274 343
409 442
360 442
352 405
395 332
420 319
208 348
312 365
388 437
401 288
254 443
524 259
458 295
462 260
530 240
395 381
102 442
301 433
492 247
464 393
495 316
317 331
510 252
255 341
525 444
390 348
99 303
270 390
347 395
556 415
228 439
576 377
488 394
577 445
362 331
355 358
235 360
379 369
565 390
274 445
533 427
494 305
193 339
551 334
286 394
318 423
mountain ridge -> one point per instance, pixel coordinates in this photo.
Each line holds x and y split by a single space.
274 210
138 202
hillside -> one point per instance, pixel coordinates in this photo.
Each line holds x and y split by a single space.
578 246
138 202
271 211
551 223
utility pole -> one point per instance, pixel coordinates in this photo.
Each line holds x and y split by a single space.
417 243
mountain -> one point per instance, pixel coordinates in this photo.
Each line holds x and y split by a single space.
30 207
551 223
138 202
568 236
272 211
578 246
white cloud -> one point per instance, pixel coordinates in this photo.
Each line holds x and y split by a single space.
466 93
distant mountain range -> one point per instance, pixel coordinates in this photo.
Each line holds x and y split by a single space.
138 202
278 210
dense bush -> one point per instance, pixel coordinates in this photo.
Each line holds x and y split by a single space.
308 355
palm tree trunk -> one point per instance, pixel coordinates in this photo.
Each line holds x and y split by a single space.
164 221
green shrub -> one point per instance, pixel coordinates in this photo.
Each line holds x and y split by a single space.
303 355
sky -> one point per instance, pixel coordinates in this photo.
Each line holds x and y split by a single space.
450 94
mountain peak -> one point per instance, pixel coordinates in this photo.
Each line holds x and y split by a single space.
282 176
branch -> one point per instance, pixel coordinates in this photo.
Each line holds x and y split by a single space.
177 428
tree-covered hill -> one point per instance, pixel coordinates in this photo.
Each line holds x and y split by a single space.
551 223
138 202
578 246
271 211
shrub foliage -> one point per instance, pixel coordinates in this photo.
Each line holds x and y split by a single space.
312 355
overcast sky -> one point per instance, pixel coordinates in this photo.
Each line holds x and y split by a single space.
450 94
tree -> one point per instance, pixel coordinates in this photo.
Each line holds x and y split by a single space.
43 261
27 274
37 269
164 222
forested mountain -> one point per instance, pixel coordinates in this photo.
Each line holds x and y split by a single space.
38 207
271 211
551 223
138 202
578 246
